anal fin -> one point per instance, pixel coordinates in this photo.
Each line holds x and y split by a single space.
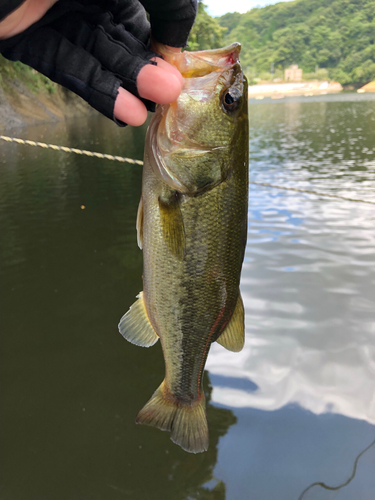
135 325
233 337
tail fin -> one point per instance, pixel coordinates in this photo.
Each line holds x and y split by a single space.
187 423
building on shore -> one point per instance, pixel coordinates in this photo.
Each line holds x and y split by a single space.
370 87
293 73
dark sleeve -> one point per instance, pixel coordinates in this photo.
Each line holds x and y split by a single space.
171 20
8 6
94 47
70 66
79 46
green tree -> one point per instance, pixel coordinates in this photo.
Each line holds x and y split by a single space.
206 32
337 35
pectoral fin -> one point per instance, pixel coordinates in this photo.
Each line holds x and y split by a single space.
233 337
139 224
136 327
172 224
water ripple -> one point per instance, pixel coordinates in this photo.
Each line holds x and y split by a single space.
308 279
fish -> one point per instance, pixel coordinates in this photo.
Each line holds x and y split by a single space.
192 227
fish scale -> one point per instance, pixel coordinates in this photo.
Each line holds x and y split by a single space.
192 225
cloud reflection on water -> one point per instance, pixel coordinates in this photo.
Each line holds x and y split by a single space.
308 286
310 334
308 279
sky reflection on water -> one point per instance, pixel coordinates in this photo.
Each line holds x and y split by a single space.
308 286
308 290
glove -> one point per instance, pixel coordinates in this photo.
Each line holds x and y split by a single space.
93 48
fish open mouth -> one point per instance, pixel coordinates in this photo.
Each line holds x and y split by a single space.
202 62
171 133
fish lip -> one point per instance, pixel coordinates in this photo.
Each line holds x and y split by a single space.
213 59
230 55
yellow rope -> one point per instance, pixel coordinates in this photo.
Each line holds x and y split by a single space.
140 162
71 150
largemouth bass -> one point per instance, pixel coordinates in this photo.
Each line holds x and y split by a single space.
192 226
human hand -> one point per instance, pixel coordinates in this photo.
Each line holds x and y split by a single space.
103 56
161 84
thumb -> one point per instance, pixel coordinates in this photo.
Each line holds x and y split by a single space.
161 83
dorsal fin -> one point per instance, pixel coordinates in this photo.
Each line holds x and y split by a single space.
233 337
135 325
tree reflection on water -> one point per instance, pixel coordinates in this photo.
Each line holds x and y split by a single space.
71 385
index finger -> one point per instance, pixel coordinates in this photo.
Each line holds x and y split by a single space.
169 68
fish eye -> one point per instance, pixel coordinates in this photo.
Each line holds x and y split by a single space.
231 99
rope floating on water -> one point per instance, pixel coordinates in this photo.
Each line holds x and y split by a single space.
309 191
71 150
140 162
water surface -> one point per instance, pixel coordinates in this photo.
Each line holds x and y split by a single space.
295 407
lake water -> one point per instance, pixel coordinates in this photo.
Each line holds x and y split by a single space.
295 408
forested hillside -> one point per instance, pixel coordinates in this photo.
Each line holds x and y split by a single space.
338 35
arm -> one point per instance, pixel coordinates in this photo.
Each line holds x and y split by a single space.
18 15
104 57
171 20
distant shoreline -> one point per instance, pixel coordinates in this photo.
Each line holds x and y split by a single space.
279 90
308 88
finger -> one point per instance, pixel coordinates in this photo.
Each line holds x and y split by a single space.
169 68
158 84
129 109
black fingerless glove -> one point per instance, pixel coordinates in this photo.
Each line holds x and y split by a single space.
93 48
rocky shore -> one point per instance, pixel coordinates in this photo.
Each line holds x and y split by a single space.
20 106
